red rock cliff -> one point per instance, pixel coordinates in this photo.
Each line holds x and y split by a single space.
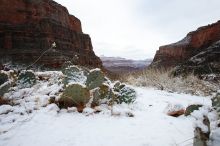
29 27
194 42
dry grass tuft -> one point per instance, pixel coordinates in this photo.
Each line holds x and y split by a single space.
162 79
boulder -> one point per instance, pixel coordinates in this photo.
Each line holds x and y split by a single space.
175 110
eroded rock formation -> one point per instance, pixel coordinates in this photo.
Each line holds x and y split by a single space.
192 44
29 27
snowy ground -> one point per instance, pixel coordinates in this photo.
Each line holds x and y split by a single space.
150 125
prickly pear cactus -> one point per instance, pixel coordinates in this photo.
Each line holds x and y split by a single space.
124 93
3 78
102 94
191 109
75 95
73 74
4 83
26 79
95 79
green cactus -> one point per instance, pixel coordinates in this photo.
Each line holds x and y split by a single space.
4 83
191 109
124 93
95 79
3 78
74 95
102 93
73 74
4 88
26 79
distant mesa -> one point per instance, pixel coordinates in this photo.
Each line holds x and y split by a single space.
120 65
194 43
29 27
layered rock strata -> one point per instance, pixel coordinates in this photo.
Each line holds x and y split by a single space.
29 27
192 44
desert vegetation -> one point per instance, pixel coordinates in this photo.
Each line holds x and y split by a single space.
164 79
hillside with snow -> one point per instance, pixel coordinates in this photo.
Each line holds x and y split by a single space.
32 119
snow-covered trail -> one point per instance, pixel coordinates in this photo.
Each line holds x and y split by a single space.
149 127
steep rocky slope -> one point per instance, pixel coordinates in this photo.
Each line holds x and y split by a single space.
204 63
194 43
29 27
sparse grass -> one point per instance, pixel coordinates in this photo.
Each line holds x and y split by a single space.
163 80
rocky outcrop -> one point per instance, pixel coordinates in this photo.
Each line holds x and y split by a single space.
29 27
205 62
192 44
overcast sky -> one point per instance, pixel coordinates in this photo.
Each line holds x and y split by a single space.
136 28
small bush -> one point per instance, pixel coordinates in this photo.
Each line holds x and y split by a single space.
162 79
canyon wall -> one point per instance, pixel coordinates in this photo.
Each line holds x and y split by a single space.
29 27
196 41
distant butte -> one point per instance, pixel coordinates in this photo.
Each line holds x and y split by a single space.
194 43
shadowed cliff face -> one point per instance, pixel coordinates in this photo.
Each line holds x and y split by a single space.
192 44
29 27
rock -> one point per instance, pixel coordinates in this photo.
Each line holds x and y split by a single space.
75 95
88 111
71 109
52 107
26 79
5 109
194 43
175 110
191 109
206 63
95 79
29 27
